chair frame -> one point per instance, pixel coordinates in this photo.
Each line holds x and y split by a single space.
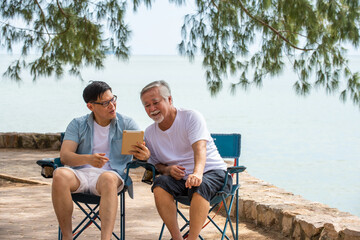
226 151
93 213
87 199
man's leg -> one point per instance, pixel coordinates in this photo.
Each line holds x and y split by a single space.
107 186
199 209
167 210
64 182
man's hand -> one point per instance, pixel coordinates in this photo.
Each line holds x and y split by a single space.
177 172
69 156
194 180
98 160
140 151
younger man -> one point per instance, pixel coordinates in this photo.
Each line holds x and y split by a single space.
92 150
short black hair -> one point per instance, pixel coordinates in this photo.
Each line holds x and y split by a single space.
94 90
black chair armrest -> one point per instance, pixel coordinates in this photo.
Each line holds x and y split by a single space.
236 169
47 167
46 162
138 163
232 170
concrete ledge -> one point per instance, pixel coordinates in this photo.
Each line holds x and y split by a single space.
292 215
50 141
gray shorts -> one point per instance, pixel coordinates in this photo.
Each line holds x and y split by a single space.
212 182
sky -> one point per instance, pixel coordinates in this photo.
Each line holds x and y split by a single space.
156 31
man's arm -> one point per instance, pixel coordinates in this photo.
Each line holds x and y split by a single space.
195 178
177 172
141 152
69 156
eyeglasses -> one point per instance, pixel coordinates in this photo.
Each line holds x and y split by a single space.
106 103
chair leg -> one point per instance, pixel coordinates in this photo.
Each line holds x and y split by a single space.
162 231
59 234
122 215
218 228
228 219
237 207
90 216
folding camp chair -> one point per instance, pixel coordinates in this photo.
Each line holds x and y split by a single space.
229 146
89 204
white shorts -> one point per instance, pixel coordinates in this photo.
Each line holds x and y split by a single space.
88 178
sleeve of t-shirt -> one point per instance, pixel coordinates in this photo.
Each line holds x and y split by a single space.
196 127
72 131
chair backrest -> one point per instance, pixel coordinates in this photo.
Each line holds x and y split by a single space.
228 144
57 161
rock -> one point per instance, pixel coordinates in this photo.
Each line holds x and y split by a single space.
274 208
30 140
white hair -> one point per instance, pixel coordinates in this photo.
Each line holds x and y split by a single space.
163 86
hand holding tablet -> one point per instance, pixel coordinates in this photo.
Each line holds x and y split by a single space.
131 138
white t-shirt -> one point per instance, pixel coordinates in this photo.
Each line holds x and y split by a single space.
173 146
101 143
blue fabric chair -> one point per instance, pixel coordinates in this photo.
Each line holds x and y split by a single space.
229 146
89 204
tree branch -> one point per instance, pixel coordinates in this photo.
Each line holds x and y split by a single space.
61 10
65 15
25 29
271 28
217 7
44 22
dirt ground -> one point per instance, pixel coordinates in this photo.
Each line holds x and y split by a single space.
26 210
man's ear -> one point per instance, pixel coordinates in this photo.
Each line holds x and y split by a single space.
170 100
90 106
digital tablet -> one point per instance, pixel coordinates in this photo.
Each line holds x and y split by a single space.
130 138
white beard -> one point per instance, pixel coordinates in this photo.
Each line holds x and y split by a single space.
158 118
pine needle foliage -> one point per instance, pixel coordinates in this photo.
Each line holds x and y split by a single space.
308 34
247 40
67 33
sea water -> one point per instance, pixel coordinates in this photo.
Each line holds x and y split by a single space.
307 145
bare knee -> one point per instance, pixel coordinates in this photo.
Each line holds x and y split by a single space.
158 191
197 198
65 179
108 181
162 195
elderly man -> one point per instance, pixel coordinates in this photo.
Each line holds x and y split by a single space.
92 150
185 154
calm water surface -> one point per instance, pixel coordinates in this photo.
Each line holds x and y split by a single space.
309 146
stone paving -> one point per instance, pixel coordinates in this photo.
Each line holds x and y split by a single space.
26 210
